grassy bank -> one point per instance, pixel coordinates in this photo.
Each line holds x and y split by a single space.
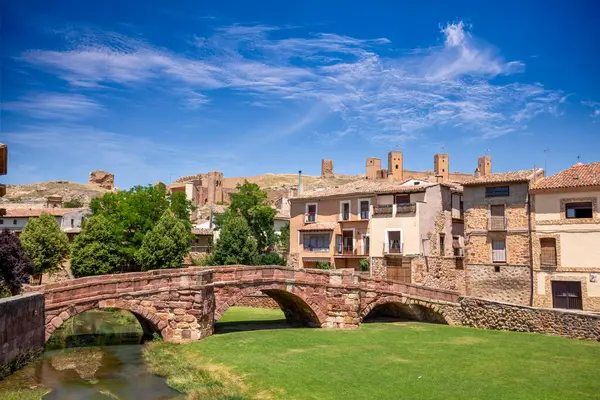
378 361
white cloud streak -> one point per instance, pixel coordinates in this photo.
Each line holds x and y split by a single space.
54 106
400 97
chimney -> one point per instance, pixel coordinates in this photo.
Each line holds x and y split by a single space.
441 165
299 182
484 165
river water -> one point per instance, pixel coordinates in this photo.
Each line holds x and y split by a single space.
93 372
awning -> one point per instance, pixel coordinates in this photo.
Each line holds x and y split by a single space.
318 226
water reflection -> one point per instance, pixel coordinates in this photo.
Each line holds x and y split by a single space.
103 371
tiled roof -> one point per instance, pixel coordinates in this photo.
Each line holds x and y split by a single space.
202 231
504 177
36 212
579 175
319 226
282 215
365 186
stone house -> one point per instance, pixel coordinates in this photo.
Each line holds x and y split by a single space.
566 239
497 234
69 219
405 229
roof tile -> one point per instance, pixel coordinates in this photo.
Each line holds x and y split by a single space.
505 177
579 175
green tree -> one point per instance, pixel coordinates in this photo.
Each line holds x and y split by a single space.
272 259
236 245
131 214
284 238
45 244
15 266
165 245
96 249
252 204
73 203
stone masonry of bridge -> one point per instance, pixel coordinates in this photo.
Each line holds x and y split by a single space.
183 304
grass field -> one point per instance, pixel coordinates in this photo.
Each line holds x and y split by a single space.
401 360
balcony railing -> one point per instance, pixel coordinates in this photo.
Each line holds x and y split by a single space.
317 249
457 214
406 208
459 252
383 209
497 223
310 218
392 247
200 249
344 216
347 250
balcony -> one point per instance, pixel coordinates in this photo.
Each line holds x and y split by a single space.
383 209
497 223
406 208
310 218
393 247
459 252
316 249
345 251
344 217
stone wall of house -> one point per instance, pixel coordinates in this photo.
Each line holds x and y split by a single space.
258 300
485 314
506 283
379 267
293 260
21 331
439 272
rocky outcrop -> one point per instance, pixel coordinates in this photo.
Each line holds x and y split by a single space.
102 179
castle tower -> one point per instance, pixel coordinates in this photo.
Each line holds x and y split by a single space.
215 187
441 166
484 165
326 168
373 165
395 166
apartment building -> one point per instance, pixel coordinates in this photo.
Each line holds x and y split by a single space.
566 239
497 233
403 229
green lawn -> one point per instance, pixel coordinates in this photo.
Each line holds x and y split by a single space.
405 360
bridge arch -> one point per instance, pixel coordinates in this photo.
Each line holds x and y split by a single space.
147 319
298 308
401 306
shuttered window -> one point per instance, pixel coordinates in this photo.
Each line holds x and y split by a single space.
548 254
497 220
567 295
498 251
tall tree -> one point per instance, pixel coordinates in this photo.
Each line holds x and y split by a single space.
133 213
45 244
252 204
96 249
236 245
165 245
15 266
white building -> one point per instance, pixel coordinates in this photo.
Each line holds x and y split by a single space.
69 219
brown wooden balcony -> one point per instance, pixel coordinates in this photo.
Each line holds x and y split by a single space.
406 208
497 223
383 209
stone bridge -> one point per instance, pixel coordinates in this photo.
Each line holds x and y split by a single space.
183 304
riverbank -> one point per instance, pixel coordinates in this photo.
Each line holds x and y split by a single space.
383 360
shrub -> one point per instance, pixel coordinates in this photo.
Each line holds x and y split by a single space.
272 259
364 264
73 203
323 265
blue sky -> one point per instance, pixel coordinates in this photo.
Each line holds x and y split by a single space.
153 90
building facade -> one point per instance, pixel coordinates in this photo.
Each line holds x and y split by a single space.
69 219
497 236
404 230
566 239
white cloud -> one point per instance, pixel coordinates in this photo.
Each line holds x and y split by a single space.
54 106
595 106
373 95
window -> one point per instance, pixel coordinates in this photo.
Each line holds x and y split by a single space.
442 244
1 222
364 209
402 199
462 205
579 210
499 250
311 212
396 166
497 219
345 210
394 242
548 254
316 242
14 221
566 295
72 222
496 191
